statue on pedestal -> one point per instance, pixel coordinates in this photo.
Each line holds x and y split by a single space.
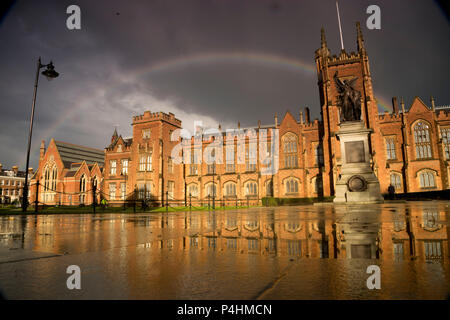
350 99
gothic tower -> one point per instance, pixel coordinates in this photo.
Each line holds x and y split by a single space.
346 67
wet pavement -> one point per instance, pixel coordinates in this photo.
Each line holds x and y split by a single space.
302 252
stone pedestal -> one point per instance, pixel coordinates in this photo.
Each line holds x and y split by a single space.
357 183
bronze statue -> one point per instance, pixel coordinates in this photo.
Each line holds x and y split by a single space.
350 99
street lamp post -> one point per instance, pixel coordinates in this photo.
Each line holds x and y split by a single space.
50 73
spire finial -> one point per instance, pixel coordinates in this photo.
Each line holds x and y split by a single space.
360 38
323 40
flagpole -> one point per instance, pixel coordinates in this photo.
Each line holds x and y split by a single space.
340 28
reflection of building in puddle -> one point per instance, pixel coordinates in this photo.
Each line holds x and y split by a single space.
389 231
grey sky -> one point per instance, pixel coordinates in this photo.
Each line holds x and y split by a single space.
215 61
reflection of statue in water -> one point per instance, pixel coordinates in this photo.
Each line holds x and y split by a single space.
350 99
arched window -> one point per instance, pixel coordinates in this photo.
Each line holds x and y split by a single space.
290 151
230 189
445 133
211 190
317 184
396 180
54 177
193 190
291 185
427 179
269 188
46 179
82 189
422 140
251 188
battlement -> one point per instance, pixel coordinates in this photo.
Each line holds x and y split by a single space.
344 57
387 117
157 116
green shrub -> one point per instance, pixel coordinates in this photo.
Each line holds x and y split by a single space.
271 201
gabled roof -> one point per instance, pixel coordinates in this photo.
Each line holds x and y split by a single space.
71 153
127 142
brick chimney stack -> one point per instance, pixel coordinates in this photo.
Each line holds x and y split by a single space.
433 105
394 105
307 116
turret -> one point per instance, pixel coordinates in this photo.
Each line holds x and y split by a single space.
42 150
114 136
360 39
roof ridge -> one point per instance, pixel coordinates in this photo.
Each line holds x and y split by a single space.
77 145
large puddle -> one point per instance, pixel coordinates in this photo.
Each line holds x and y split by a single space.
304 252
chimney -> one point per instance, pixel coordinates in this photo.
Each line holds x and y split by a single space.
307 116
42 150
276 121
394 105
301 117
239 124
433 106
259 124
402 103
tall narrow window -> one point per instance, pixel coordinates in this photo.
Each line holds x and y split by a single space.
319 155
83 189
124 167
250 189
422 140
148 190
142 163
250 157
149 162
54 178
445 133
113 167
123 191
230 160
112 191
170 189
290 151
269 188
390 149
193 169
169 165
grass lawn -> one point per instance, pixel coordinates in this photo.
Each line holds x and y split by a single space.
88 209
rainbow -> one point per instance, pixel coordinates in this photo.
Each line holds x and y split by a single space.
176 64
196 60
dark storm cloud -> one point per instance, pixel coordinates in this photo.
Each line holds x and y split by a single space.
108 67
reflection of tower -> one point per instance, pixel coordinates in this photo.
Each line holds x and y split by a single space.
348 66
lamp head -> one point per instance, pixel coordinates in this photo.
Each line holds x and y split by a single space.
50 72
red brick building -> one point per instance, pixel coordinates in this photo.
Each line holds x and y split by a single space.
409 148
66 173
